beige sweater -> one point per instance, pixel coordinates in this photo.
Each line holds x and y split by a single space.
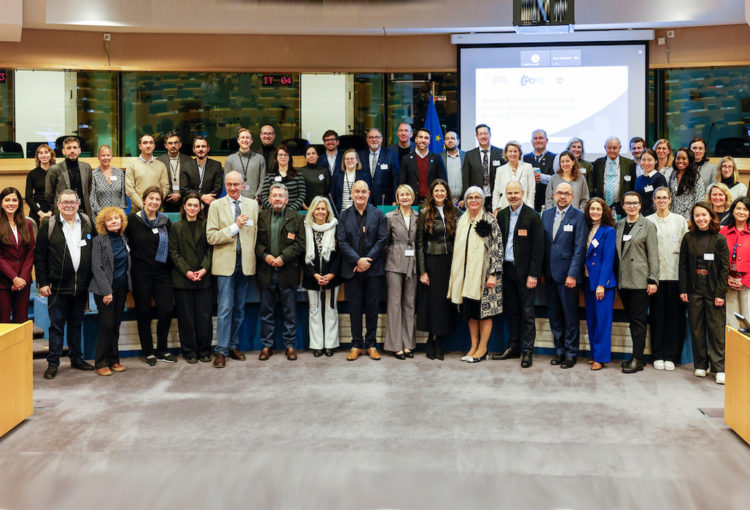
140 175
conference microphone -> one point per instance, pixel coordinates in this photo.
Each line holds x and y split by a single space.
382 199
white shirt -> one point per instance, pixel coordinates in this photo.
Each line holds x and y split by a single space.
73 239
669 232
332 161
14 230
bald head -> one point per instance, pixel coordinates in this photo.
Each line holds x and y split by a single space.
514 194
563 195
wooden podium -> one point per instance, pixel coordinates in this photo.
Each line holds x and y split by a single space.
737 390
16 374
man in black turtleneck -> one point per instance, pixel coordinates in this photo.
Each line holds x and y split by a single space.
69 174
267 136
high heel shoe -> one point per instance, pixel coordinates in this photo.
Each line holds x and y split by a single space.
399 355
477 360
409 354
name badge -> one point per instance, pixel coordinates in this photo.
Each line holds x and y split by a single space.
567 228
363 229
522 232
113 178
246 187
290 236
648 189
277 178
708 256
495 162
595 243
83 243
626 178
582 171
409 253
175 187
321 177
627 237
675 239
155 231
249 223
384 166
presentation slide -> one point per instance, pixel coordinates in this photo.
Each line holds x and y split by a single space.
589 92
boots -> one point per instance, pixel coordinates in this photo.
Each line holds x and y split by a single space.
438 348
430 347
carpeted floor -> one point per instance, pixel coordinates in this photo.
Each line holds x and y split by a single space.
325 433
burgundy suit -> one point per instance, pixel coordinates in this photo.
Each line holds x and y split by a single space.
16 259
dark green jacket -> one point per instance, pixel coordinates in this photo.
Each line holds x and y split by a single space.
189 253
291 248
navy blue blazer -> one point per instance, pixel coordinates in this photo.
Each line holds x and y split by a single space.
394 149
348 235
564 255
385 180
337 187
600 259
410 173
323 161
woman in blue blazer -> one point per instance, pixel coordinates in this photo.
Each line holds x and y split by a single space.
599 290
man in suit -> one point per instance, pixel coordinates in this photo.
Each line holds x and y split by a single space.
543 161
144 172
403 145
231 229
267 148
612 175
251 165
201 175
174 161
453 161
421 167
69 174
380 163
62 259
565 235
523 239
331 159
281 244
481 164
361 237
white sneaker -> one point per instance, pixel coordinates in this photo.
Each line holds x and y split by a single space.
699 372
719 377
669 365
659 364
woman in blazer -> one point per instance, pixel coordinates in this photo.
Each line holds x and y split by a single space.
599 290
638 277
436 231
321 276
737 233
110 281
704 271
513 170
343 180
401 274
569 172
667 311
16 257
191 279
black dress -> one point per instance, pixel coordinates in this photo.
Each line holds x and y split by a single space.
435 313
317 182
35 193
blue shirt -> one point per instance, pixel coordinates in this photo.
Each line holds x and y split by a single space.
511 229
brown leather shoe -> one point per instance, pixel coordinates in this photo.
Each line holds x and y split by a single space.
374 354
236 354
353 354
220 361
265 353
291 354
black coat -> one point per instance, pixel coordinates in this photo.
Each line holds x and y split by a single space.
410 173
718 268
291 248
472 172
212 178
189 252
52 260
528 240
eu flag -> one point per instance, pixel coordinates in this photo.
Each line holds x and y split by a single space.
432 124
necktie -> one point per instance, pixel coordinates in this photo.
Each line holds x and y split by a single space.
486 169
373 163
237 212
609 184
556 224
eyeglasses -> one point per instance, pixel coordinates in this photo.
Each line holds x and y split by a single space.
563 193
69 202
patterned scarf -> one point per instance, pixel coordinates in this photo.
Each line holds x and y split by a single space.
161 223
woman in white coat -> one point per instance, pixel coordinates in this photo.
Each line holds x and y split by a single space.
513 170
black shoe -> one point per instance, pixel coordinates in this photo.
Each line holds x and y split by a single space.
632 366
205 358
409 354
81 365
556 360
568 363
151 360
329 352
50 373
506 354
477 360
166 357
439 348
526 360
318 353
430 347
399 355
192 358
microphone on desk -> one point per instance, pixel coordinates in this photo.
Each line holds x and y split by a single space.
382 199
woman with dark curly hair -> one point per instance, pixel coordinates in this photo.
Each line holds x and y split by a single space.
686 184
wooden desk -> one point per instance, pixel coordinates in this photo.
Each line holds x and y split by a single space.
16 374
737 390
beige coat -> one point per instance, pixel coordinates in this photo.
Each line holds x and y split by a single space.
218 233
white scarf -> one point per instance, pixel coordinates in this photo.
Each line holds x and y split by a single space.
328 243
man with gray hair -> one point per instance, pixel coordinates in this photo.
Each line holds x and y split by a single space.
280 246
542 161
613 175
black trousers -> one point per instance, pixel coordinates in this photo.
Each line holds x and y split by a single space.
635 302
667 320
706 318
519 307
110 317
363 295
147 284
65 309
194 321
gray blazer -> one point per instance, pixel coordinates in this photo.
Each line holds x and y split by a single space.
184 160
639 259
58 180
103 265
398 240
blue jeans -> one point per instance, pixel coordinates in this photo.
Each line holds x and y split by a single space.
65 309
288 300
230 309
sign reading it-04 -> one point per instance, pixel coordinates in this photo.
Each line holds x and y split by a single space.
277 80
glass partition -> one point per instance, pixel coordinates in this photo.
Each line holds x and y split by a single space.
7 117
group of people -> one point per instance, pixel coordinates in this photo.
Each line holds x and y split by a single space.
437 263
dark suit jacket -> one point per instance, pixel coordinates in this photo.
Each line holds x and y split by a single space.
291 248
600 259
473 175
547 166
528 246
212 178
718 268
410 174
189 253
58 180
323 161
17 259
348 234
394 149
564 255
627 178
385 180
185 160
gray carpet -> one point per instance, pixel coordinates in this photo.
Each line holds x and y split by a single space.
325 433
